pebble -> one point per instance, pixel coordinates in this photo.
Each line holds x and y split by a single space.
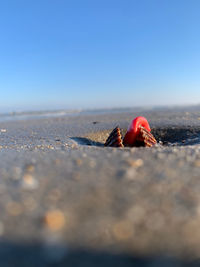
55 220
123 230
29 182
136 163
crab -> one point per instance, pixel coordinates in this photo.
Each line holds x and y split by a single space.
138 134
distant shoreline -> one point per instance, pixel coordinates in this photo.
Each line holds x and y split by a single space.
41 114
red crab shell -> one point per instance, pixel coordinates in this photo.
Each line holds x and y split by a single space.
133 133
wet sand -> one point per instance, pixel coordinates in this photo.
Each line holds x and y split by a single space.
66 199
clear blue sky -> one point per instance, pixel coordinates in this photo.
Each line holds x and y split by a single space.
99 53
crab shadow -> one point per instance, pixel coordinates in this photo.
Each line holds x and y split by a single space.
177 136
86 141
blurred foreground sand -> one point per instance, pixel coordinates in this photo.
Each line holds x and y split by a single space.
65 199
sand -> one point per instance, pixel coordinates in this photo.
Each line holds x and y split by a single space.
66 199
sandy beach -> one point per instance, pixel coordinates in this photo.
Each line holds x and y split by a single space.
66 200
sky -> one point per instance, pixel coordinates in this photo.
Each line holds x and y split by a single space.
76 54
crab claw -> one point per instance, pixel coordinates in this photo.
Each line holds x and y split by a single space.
138 134
114 139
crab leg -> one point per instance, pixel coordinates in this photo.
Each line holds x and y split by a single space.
114 139
147 137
